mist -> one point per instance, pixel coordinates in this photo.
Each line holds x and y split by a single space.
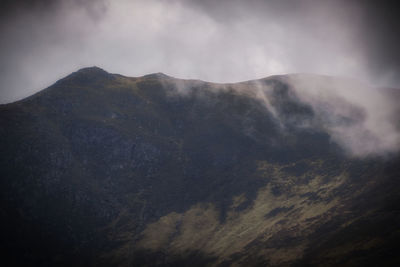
219 41
223 41
355 115
361 119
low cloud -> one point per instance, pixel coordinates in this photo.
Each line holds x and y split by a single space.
362 119
218 41
357 117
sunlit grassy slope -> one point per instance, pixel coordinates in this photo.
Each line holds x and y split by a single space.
102 169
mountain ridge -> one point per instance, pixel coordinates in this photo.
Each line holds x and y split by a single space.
100 72
103 169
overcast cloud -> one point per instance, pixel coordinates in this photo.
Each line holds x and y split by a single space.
219 41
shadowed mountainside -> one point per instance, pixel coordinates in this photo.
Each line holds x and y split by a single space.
102 169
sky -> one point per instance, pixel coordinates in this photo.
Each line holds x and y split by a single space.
219 41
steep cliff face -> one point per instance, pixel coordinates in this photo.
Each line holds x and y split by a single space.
103 169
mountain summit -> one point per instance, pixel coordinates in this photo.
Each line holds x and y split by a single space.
101 169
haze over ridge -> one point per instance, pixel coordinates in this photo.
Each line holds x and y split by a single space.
224 41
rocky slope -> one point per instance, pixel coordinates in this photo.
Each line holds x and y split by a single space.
102 169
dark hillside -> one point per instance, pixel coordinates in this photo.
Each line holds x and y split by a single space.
102 169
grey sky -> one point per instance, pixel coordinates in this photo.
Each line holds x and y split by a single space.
221 41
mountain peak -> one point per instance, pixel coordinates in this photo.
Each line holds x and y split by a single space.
159 161
86 76
92 70
157 75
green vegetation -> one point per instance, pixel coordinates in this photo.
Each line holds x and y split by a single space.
102 169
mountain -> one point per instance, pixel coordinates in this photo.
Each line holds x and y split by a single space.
105 170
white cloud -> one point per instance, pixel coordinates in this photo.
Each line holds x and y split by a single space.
239 42
355 115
